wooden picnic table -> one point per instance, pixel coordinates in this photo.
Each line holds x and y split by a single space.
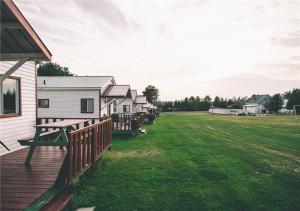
59 136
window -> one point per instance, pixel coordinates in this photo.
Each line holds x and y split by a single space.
126 108
87 105
10 97
43 103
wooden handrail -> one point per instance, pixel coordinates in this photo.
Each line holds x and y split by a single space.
86 145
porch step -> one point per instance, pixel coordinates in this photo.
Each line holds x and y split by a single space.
58 203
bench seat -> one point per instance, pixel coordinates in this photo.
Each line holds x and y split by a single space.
30 138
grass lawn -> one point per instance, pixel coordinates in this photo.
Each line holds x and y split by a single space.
200 161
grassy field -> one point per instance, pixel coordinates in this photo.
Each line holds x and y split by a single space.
197 161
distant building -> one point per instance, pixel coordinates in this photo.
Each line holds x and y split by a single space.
256 104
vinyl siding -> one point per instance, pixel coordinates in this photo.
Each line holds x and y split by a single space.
125 102
14 128
67 103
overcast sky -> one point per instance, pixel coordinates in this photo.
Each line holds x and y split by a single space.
226 48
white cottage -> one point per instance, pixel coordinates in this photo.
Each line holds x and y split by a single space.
139 103
21 50
78 96
126 105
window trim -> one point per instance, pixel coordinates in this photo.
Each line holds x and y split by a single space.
44 99
125 106
81 99
20 100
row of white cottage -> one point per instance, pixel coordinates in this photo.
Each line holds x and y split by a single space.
86 97
24 97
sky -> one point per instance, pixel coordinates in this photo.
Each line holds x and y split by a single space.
184 48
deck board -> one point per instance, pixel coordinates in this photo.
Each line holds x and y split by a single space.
22 185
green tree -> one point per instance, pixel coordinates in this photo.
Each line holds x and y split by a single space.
53 69
293 98
207 103
275 103
217 101
151 93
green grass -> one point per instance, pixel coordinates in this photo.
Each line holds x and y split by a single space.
196 161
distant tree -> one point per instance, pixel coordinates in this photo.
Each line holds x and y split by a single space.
275 103
293 98
53 69
217 101
197 106
151 93
206 103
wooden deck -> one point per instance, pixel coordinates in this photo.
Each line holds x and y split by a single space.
20 185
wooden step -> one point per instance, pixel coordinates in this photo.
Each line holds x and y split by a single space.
58 203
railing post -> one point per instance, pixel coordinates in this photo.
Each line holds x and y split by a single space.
94 148
70 156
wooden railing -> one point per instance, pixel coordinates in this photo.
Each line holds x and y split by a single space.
86 145
50 120
149 118
125 122
140 117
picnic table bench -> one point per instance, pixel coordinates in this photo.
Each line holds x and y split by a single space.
57 137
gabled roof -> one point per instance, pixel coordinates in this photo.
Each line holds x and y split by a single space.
259 99
18 39
140 99
74 82
133 94
119 91
147 105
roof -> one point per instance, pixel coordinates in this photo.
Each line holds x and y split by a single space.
122 91
140 99
73 82
18 39
133 94
258 99
147 105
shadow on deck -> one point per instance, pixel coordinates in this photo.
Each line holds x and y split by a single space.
21 185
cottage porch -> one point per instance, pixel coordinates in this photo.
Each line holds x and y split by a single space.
21 185
47 183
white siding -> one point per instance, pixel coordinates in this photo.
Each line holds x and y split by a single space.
137 108
125 102
255 109
67 103
14 128
104 110
224 111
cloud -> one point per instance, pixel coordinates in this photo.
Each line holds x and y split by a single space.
104 9
183 47
292 40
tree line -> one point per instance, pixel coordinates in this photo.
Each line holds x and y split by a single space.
203 104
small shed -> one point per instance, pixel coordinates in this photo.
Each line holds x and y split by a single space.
256 104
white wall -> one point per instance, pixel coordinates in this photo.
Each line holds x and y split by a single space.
253 109
224 111
67 103
14 128
105 109
137 108
125 102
